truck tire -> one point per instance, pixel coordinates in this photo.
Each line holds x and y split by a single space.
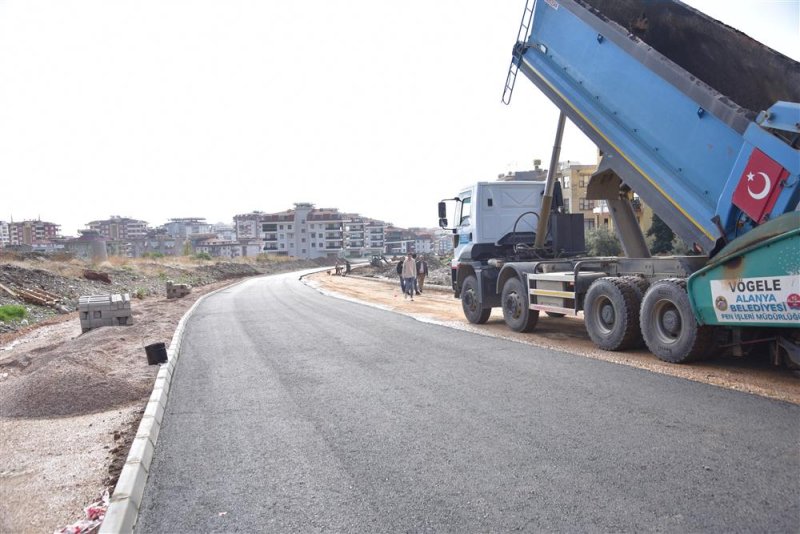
640 284
611 313
473 310
669 325
516 313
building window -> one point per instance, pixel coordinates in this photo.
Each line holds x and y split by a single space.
280 227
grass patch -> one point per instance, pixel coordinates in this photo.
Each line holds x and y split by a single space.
12 311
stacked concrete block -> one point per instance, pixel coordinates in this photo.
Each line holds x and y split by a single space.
175 291
104 310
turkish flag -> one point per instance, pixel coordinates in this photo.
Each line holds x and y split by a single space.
759 186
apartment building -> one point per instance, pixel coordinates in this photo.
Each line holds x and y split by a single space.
218 248
310 232
187 226
375 234
5 236
399 240
574 180
157 242
363 236
443 242
118 228
223 231
33 233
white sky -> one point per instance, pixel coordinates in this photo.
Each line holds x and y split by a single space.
161 109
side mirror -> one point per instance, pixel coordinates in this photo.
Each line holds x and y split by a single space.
442 215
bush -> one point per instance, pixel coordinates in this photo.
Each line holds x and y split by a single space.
601 241
12 311
202 256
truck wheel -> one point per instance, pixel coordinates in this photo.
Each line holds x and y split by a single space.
640 284
473 310
516 313
669 326
611 313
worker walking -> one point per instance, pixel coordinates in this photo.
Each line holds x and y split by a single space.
409 275
400 275
422 272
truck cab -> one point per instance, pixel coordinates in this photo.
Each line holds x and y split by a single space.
490 217
495 223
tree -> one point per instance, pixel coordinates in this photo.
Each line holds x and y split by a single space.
662 236
601 241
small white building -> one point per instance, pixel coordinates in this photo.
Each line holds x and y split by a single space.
5 236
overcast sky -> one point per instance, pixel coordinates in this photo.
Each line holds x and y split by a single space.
162 109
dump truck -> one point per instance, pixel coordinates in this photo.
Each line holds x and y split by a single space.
699 121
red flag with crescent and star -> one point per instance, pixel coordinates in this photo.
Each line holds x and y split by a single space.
759 186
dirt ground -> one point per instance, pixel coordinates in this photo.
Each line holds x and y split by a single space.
69 406
751 375
70 403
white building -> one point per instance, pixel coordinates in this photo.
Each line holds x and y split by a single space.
5 236
225 232
309 232
188 226
424 244
217 248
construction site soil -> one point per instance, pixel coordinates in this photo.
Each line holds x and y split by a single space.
70 403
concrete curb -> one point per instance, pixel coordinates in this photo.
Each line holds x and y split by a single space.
123 509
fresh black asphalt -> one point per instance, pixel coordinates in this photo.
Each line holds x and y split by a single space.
292 411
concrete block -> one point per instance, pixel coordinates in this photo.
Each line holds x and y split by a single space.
175 291
104 310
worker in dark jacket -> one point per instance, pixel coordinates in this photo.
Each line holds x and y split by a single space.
400 274
422 272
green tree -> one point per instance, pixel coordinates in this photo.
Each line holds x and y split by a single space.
601 241
662 236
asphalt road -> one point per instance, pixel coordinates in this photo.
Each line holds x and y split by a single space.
292 411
